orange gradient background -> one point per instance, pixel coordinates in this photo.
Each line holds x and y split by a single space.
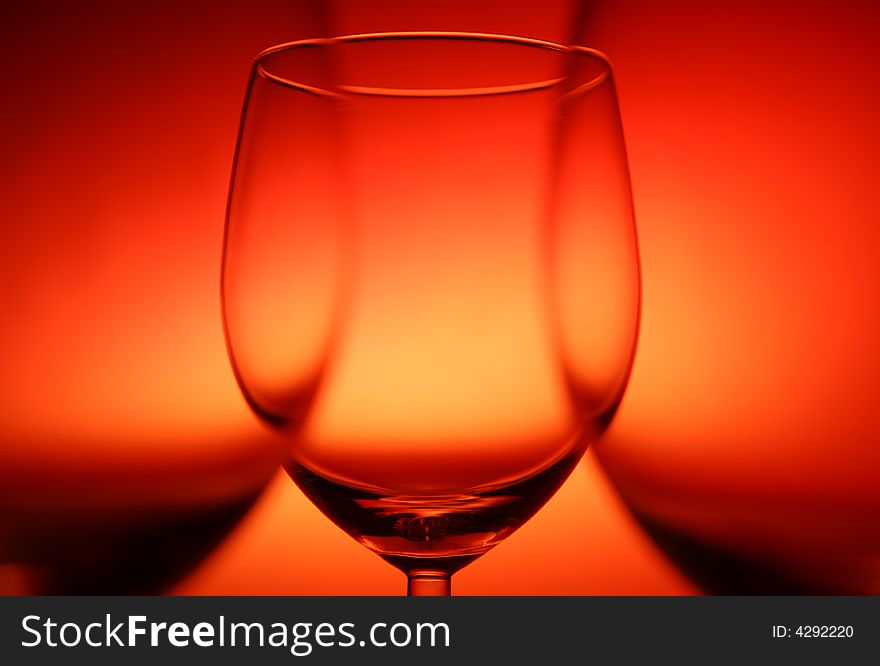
754 153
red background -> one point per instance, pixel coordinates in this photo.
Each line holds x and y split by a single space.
754 149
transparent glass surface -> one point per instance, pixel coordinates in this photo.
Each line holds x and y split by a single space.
431 280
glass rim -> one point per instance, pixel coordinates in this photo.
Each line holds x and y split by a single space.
468 91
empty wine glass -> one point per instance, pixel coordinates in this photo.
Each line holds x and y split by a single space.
431 280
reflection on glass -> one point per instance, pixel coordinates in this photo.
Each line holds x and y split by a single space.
430 280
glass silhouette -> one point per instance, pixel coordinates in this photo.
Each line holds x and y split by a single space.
732 536
430 280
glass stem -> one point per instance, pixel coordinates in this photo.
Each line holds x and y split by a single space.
428 583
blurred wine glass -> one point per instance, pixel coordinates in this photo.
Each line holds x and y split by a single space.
430 280
130 523
747 443
736 531
125 452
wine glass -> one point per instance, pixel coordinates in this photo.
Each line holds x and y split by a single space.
431 280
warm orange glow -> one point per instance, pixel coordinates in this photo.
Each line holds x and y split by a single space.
750 422
123 434
752 138
286 546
